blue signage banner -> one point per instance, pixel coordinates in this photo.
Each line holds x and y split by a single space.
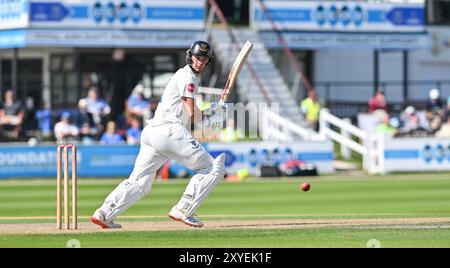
13 14
48 12
416 154
111 161
251 155
118 161
113 14
339 16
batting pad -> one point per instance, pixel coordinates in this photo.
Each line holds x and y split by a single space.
201 185
124 196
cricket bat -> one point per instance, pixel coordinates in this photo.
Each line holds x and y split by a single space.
235 70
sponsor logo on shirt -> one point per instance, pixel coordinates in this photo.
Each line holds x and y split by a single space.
191 88
195 144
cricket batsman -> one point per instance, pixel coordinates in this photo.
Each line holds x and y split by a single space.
167 136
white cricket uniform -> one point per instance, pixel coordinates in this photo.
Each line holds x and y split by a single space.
166 137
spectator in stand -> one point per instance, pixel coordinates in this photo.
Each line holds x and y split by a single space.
64 131
448 107
44 120
434 102
378 102
311 107
435 111
386 127
137 105
11 115
97 107
413 122
448 103
410 119
85 123
111 136
134 132
444 132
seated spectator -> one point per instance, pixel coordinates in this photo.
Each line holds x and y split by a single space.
448 108
435 111
134 132
97 107
385 127
434 102
378 102
85 122
11 115
44 120
137 105
311 107
444 132
413 122
64 131
435 121
111 136
409 119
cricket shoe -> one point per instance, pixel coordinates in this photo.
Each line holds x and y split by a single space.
99 219
178 215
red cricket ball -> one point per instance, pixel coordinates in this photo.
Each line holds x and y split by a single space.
305 186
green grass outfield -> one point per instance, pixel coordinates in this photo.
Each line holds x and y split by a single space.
332 199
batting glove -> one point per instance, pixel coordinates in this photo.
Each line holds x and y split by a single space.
217 107
214 122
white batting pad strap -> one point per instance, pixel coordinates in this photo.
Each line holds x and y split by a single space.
201 185
124 196
189 192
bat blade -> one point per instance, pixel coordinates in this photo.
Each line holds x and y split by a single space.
235 70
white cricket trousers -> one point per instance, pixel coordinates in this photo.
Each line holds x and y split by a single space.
159 144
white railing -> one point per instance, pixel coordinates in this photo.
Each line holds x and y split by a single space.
277 128
370 146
